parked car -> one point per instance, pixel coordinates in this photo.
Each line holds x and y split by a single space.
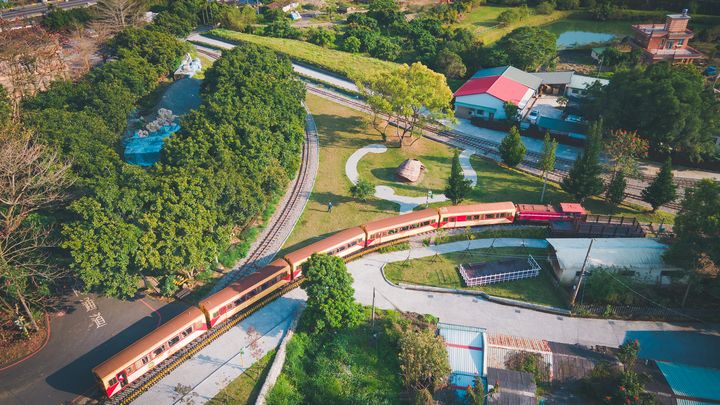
533 116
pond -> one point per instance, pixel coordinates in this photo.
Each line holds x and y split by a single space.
581 33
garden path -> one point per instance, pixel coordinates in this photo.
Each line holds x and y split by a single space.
406 204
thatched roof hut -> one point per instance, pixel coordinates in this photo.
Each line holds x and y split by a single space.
410 170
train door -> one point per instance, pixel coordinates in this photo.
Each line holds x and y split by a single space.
122 378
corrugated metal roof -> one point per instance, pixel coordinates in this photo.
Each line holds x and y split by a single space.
464 345
512 73
693 385
633 253
554 77
583 82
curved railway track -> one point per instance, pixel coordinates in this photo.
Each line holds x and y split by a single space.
489 149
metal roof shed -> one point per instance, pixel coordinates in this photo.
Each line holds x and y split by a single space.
465 346
692 385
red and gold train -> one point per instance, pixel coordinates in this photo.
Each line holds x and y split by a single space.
140 357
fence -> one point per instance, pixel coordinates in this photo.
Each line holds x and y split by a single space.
497 274
638 312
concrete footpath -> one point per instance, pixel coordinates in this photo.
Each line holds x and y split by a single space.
218 364
496 318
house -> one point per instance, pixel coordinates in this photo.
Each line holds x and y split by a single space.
568 84
596 53
484 95
639 257
666 42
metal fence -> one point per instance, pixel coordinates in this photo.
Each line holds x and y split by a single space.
470 281
639 312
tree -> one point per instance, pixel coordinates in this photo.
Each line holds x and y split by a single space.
281 28
321 36
547 160
662 190
697 227
351 44
238 18
450 64
32 179
625 148
412 96
158 48
512 149
529 48
628 353
362 190
545 7
330 303
668 105
616 189
458 187
119 14
511 111
423 360
583 179
385 48
6 109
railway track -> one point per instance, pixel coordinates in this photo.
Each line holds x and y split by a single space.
489 149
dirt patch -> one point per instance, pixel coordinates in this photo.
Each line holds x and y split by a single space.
13 346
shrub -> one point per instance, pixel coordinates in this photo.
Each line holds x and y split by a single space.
362 190
567 4
546 7
532 363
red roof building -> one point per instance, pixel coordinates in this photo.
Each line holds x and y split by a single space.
667 41
487 91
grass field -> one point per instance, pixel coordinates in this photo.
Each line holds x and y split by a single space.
483 20
351 365
353 66
441 271
379 168
341 131
245 389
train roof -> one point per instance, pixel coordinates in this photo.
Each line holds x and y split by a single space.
230 292
478 208
326 244
401 220
149 342
536 208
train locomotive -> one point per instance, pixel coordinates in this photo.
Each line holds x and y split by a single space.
134 361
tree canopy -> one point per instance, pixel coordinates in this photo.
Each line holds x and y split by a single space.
457 188
584 178
412 96
668 105
662 190
529 48
330 303
512 149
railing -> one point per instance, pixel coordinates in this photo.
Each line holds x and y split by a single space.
639 312
533 271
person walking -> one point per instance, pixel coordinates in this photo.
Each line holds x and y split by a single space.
330 207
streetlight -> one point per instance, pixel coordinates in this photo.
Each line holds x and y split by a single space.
428 197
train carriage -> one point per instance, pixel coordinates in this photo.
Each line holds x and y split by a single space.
244 292
547 213
460 216
138 358
402 226
340 244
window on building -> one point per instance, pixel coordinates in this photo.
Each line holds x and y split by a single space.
480 112
680 42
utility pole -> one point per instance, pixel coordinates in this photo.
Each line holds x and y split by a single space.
582 273
373 311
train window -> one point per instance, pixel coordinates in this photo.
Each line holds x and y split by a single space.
145 360
239 300
112 381
158 351
130 369
173 341
452 219
215 314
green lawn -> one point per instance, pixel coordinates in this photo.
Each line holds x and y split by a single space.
245 388
379 168
482 17
441 271
341 131
483 20
344 367
353 66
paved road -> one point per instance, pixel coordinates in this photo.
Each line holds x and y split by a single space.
496 318
61 371
39 9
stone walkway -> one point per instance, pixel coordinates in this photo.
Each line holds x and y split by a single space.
407 204
496 318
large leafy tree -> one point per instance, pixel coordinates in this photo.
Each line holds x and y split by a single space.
423 360
158 48
668 105
330 303
411 96
457 188
529 48
697 227
584 178
512 149
662 190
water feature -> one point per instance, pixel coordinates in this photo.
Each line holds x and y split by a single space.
582 33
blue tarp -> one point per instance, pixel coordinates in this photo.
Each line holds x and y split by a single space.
145 151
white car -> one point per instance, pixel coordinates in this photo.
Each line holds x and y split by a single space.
533 116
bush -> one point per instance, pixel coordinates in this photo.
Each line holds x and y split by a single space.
238 18
532 363
514 15
281 29
546 7
322 37
284 393
567 4
604 288
351 44
59 19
